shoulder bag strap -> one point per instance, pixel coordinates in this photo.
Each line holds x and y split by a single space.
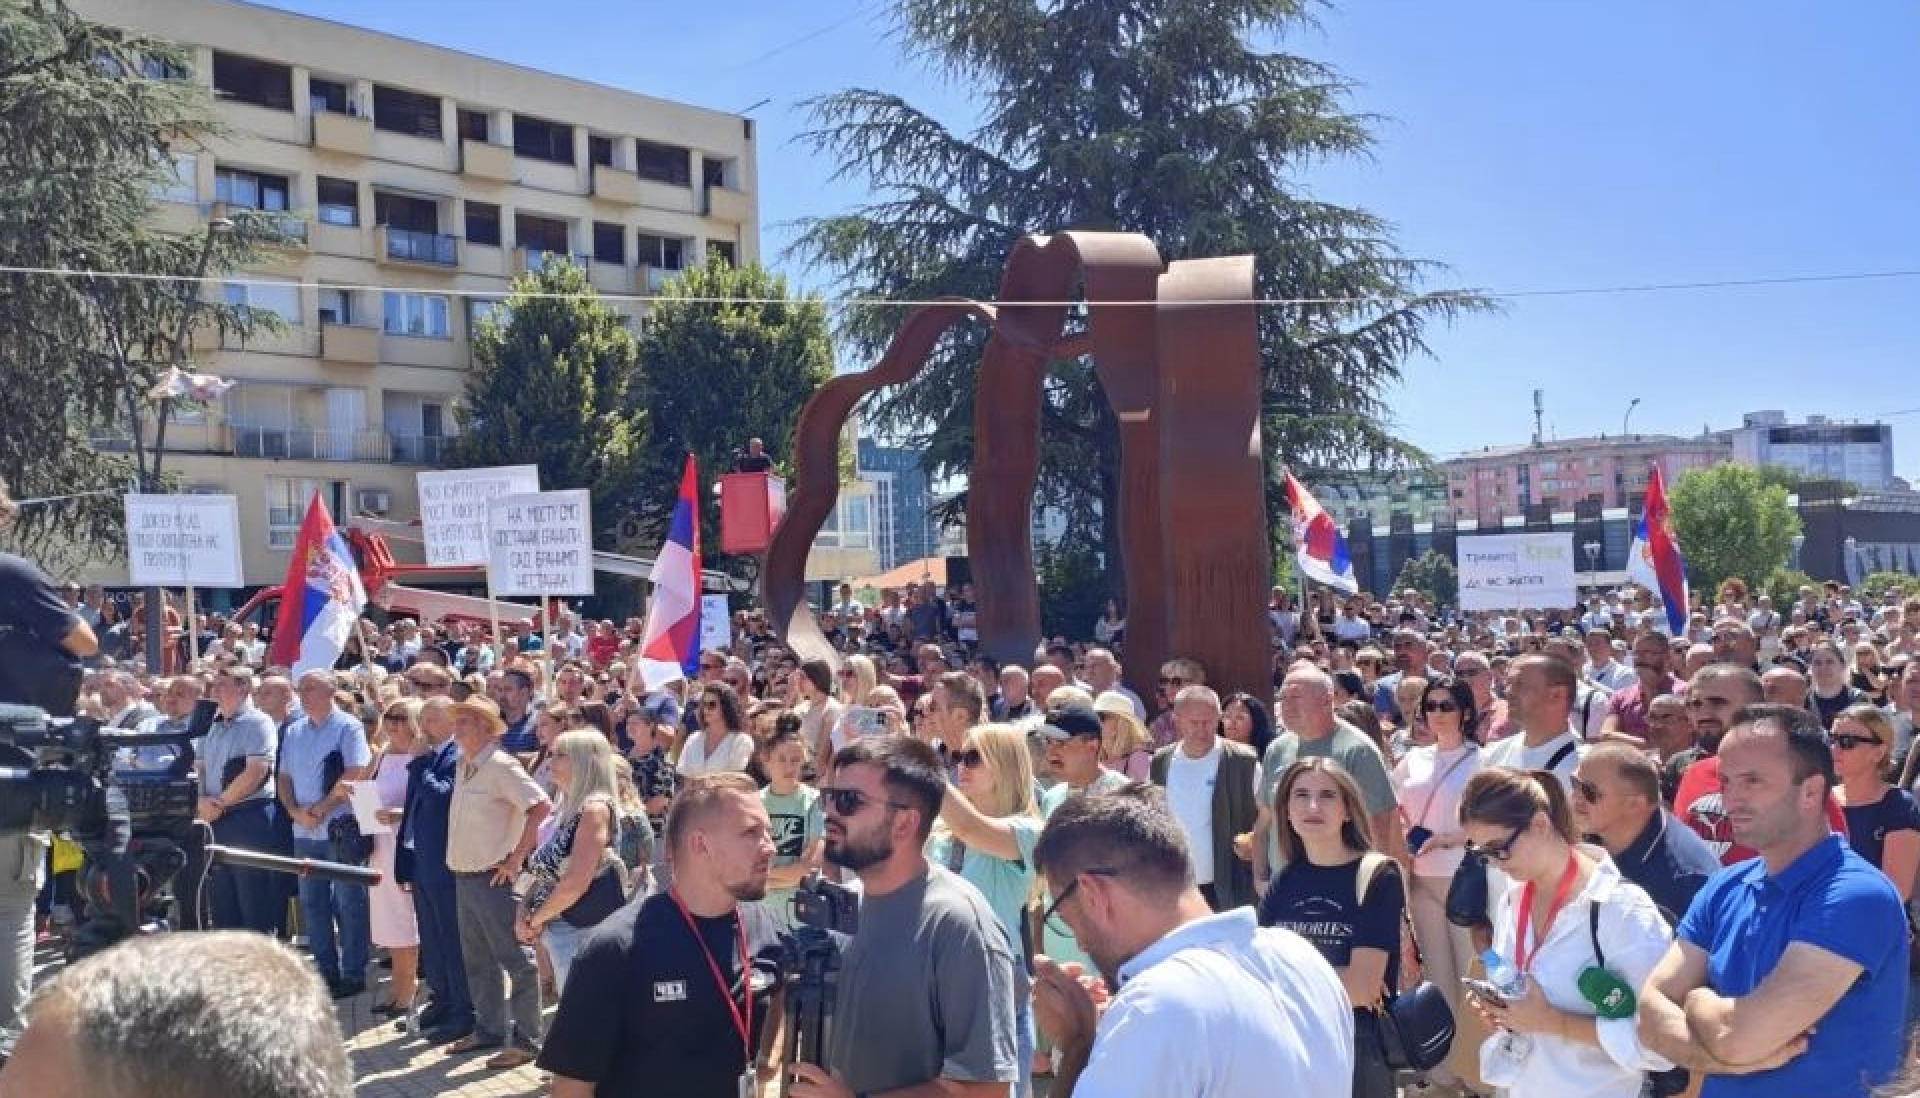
1440 782
1593 931
1560 756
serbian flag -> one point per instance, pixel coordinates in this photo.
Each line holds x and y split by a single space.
321 599
1319 549
670 647
1654 562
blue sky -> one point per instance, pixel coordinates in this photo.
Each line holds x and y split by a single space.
1528 144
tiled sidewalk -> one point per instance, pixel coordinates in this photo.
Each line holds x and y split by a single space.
394 1065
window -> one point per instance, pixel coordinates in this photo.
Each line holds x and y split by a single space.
328 96
542 140
250 190
609 243
715 172
287 500
182 182
666 253
161 68
480 310
483 223
540 234
406 112
336 305
724 251
404 211
665 164
245 80
417 315
283 301
600 150
339 201
473 125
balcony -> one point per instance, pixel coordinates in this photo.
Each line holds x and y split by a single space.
655 279
416 249
727 204
353 344
343 133
306 444
611 278
485 160
616 185
417 449
534 260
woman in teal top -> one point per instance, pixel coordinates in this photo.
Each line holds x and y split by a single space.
987 830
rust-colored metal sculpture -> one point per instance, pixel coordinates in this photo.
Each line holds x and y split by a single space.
1176 350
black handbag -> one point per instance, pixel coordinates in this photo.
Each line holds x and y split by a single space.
1416 1025
1467 898
343 831
606 895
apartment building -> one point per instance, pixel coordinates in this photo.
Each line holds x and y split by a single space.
417 181
1485 485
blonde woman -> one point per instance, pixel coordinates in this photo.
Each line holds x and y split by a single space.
397 740
576 876
1125 744
1883 823
986 833
858 680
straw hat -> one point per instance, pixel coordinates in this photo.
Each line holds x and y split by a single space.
481 708
1121 707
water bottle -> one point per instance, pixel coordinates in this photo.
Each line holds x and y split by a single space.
1511 983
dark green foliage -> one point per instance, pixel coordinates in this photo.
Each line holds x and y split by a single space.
1433 575
1731 521
1156 117
1072 593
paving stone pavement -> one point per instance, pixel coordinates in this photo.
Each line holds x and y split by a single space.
395 1065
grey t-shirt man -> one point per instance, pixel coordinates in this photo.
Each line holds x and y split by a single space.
926 990
1350 749
229 744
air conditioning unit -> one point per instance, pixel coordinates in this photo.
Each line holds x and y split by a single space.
373 501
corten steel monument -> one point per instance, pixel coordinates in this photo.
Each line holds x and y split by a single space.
1177 351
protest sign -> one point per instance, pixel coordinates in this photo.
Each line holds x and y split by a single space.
184 541
540 543
716 624
1516 571
453 509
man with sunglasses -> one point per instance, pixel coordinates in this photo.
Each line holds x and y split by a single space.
1203 1005
1617 802
925 998
1175 675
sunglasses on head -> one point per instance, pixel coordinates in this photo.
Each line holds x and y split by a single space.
1848 743
849 802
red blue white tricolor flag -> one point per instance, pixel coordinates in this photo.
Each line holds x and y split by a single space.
1319 549
321 598
670 647
1655 562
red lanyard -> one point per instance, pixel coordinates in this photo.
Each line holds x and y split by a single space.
1523 919
741 1021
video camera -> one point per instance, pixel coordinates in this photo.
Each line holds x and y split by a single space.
824 911
137 829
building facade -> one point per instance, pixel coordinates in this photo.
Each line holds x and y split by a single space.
1860 454
1608 471
416 182
902 503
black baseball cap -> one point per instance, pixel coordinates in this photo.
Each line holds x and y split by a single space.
1068 721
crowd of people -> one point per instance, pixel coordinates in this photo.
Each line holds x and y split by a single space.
1719 826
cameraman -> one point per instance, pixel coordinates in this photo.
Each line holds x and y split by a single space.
42 639
924 1001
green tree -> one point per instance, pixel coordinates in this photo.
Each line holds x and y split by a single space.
1158 117
555 384
1731 522
1876 585
1072 596
1784 585
1433 575
91 119
728 354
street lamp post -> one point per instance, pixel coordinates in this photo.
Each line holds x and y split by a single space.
1593 562
1850 564
1798 541
1627 420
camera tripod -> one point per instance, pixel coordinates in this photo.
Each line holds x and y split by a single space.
812 965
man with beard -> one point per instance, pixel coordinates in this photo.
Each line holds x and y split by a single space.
1204 1005
671 995
1628 708
924 1001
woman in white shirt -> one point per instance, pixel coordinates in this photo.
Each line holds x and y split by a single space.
722 743
1429 780
1566 914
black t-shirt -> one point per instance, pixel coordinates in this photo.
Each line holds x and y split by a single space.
35 667
1321 904
641 1014
28 602
1829 708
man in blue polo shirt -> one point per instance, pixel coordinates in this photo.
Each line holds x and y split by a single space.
1788 978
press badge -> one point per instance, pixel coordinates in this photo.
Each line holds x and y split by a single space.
670 991
749 1086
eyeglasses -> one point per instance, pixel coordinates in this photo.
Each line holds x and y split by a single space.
394 715
1848 743
849 802
713 667
1586 790
1047 917
1499 852
969 758
1471 672
1172 680
847 673
1440 706
709 705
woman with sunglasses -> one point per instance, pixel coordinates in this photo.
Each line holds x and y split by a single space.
986 833
397 739
1561 901
1430 780
1883 822
722 742
577 877
1321 825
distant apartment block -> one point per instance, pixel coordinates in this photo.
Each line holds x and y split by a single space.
1556 475
417 182
902 503
1858 453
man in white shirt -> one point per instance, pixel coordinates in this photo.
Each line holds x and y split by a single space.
1212 784
1540 693
121 702
1602 668
1268 1012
